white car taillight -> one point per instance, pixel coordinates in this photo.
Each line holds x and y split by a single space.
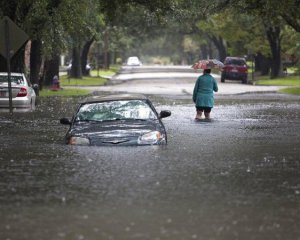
22 92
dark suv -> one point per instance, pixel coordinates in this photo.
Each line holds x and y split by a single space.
235 68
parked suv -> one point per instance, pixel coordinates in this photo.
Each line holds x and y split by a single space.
235 68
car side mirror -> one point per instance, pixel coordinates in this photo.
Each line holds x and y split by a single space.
65 121
164 114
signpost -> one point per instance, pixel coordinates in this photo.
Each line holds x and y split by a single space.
11 39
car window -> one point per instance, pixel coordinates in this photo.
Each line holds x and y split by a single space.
238 62
112 110
14 79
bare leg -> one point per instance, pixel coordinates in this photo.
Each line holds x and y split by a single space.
207 115
199 115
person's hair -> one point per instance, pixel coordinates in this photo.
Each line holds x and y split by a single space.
208 71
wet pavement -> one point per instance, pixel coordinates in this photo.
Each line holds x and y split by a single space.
236 177
173 80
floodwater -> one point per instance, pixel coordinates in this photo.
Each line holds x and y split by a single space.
236 177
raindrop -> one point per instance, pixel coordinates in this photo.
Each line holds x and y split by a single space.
127 229
194 236
297 192
80 237
169 220
61 235
248 169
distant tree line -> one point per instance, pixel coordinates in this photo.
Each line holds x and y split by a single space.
181 29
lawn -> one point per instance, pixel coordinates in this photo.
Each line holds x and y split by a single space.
292 90
84 81
64 92
293 81
97 78
285 81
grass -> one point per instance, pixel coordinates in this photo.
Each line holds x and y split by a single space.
103 73
64 92
285 81
93 80
85 81
294 90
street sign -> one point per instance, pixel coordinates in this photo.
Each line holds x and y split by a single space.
17 37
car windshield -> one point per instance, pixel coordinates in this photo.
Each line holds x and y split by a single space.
14 79
238 62
115 110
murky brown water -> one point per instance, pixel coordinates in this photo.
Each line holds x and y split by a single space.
237 177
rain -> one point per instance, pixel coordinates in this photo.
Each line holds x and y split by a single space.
234 176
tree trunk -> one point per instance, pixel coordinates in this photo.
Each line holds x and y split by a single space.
76 63
204 51
273 35
51 69
84 56
219 43
262 64
35 60
106 57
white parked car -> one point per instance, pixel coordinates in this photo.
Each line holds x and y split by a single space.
133 61
23 94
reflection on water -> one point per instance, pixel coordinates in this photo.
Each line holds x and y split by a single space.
236 177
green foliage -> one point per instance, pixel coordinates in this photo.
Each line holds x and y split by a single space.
64 92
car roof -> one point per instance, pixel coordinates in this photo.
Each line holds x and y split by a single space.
133 57
12 74
238 58
114 97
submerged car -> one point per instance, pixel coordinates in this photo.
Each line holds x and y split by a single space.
23 93
235 68
126 119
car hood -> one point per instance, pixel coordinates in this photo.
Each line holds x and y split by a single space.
122 132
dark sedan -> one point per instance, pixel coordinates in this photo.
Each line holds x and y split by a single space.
127 119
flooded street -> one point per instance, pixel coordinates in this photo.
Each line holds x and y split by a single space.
236 177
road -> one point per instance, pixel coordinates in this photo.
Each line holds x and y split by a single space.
171 80
236 177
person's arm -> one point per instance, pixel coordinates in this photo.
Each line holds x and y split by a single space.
195 91
215 85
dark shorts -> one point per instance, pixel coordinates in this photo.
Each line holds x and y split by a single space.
205 109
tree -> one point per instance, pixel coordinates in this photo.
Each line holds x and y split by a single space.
266 12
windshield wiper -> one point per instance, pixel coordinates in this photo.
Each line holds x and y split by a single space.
88 120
